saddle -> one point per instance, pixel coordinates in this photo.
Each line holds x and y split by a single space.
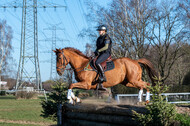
106 65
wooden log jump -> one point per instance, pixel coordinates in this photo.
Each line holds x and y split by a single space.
100 115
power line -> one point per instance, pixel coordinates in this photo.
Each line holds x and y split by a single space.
82 12
72 18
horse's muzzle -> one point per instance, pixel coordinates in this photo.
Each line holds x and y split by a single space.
60 71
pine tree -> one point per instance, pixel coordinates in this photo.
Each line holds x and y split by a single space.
160 112
57 97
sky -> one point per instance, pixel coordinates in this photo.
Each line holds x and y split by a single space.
69 22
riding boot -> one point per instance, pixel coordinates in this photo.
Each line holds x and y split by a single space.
102 75
102 78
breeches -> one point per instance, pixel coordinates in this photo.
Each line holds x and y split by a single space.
101 58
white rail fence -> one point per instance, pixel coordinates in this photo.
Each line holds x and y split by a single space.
170 97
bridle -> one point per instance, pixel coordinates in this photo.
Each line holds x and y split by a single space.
65 61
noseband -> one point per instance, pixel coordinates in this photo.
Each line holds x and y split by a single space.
63 66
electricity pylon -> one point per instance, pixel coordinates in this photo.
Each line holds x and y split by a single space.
54 39
29 69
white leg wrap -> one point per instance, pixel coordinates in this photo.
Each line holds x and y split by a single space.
140 95
72 95
71 101
147 96
69 93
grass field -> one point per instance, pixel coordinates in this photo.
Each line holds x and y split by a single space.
22 112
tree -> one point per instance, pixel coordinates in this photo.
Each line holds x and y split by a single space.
88 50
184 12
167 39
127 22
5 45
160 112
57 96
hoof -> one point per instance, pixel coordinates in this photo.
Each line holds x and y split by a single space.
77 100
147 102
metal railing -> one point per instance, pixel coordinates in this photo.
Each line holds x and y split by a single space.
164 94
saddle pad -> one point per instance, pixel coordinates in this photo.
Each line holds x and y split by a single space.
110 65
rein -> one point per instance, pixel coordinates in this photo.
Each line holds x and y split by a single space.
71 69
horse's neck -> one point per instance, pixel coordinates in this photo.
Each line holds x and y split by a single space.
77 61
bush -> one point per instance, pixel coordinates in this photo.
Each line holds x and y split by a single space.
2 93
58 96
83 93
26 95
160 112
184 119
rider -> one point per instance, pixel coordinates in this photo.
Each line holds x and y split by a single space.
103 51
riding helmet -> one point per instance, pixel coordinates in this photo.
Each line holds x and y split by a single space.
102 27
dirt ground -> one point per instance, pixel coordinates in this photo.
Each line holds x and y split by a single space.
181 108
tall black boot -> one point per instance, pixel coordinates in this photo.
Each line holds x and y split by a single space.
102 77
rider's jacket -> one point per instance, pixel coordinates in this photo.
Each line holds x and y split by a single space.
101 41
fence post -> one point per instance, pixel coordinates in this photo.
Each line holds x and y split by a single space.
117 98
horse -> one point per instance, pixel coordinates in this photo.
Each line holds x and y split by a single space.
127 72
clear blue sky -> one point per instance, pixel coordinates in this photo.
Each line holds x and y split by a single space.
72 20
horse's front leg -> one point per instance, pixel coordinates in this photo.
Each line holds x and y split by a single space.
81 85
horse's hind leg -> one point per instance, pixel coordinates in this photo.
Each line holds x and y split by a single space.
140 91
141 84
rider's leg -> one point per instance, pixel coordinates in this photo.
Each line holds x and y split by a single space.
102 77
101 58
101 71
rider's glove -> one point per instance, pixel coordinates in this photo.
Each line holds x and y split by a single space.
96 53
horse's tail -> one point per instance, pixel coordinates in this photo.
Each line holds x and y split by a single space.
149 68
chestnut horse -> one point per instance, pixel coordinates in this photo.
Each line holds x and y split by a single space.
127 72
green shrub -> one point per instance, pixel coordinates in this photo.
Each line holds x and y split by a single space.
160 112
184 119
58 96
2 93
26 95
81 92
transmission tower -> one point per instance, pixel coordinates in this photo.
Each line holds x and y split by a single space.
53 39
29 69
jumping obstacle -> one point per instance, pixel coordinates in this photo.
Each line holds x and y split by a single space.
100 115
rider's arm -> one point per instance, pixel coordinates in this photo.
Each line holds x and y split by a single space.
104 48
107 41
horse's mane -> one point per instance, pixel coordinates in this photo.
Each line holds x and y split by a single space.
77 51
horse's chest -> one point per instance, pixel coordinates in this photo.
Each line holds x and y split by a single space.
79 77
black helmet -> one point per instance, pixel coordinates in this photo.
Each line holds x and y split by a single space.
102 27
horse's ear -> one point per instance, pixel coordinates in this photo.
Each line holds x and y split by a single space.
56 50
